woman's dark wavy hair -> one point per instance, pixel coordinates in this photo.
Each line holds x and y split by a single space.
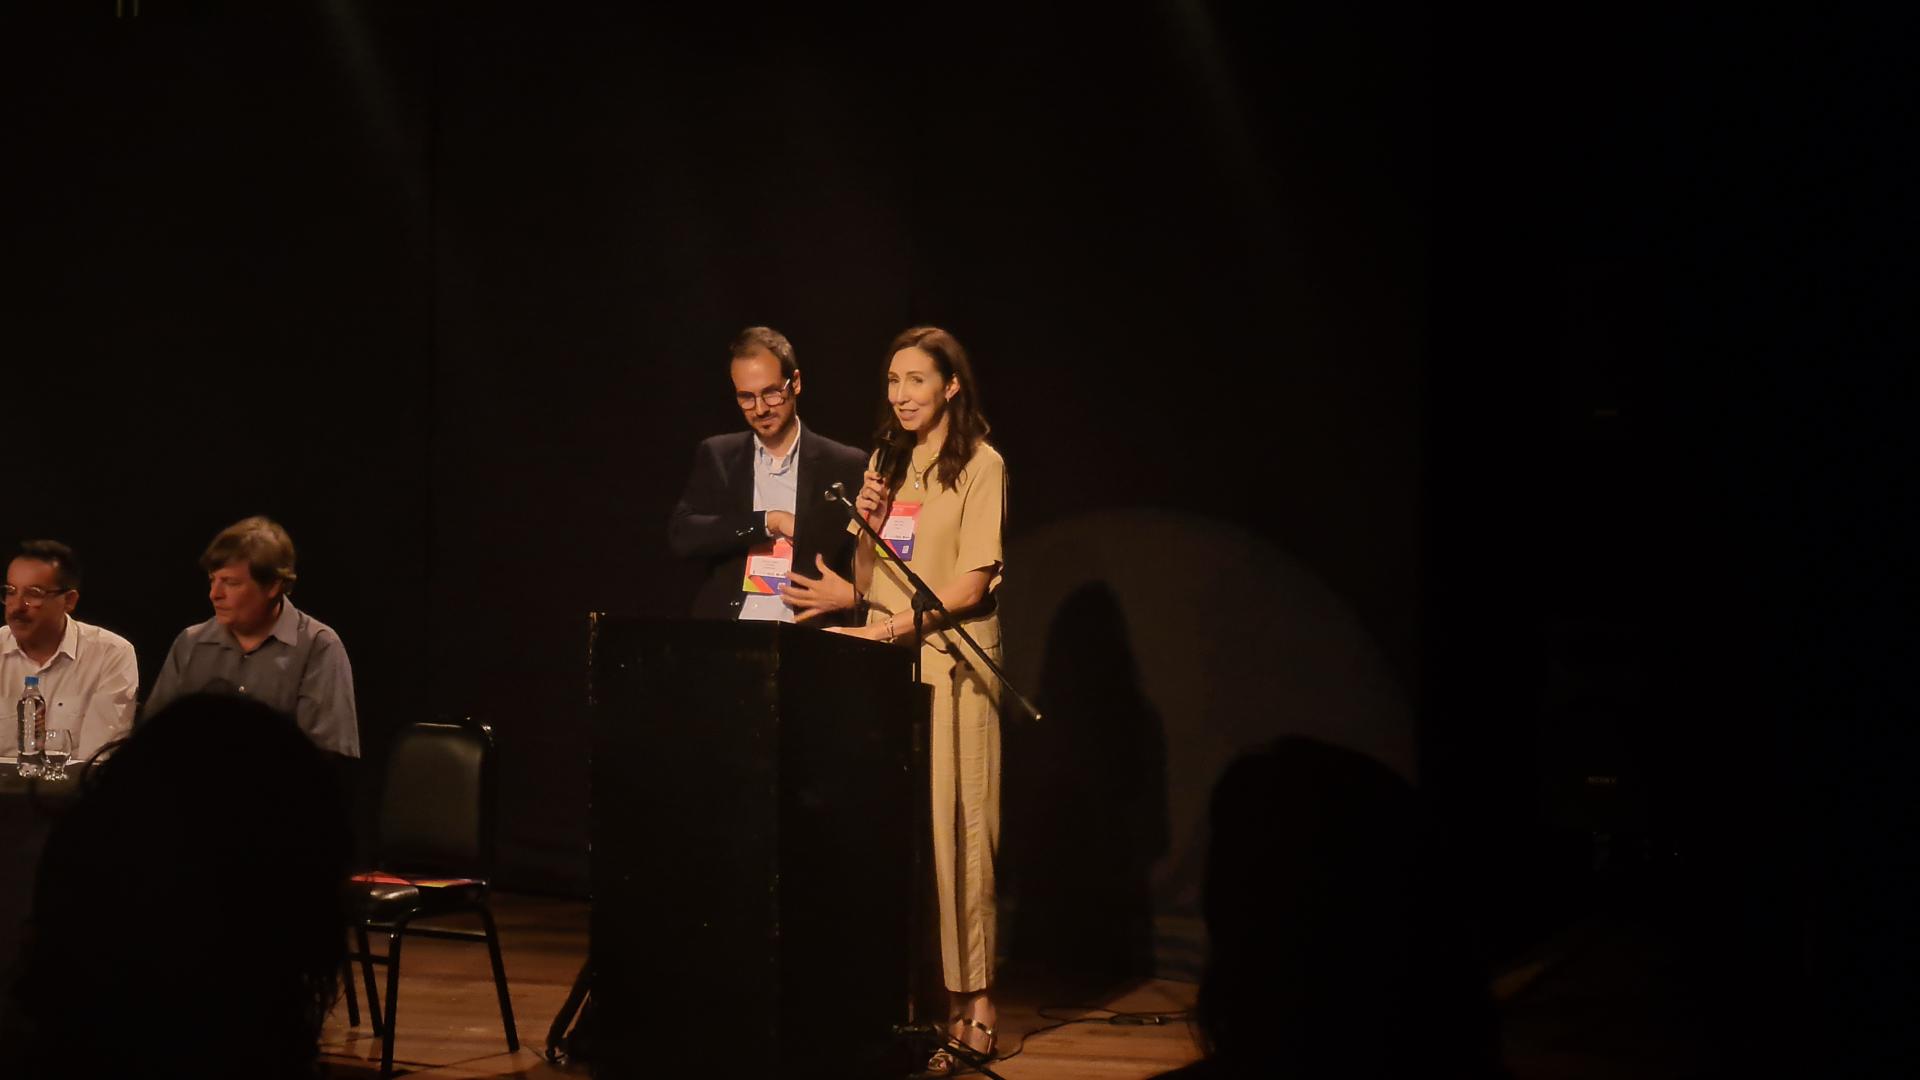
198 876
967 426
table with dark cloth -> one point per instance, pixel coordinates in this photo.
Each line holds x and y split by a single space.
27 812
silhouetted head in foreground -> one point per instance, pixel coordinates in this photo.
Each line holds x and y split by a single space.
1334 947
188 913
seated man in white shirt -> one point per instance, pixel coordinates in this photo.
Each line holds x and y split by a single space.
88 675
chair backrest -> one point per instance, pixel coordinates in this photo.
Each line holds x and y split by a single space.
436 808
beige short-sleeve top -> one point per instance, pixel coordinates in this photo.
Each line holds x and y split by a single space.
958 531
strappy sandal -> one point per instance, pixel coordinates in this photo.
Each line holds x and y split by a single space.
944 1063
941 1063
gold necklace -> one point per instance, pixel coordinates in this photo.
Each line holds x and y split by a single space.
919 481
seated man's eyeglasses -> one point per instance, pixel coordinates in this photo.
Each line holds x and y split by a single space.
34 595
769 398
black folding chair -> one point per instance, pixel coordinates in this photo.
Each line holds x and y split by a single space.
434 857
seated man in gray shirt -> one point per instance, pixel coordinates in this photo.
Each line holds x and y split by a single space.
259 645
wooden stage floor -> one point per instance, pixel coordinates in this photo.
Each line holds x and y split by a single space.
1604 999
449 1024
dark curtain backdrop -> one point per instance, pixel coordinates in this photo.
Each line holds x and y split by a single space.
446 287
1570 354
1186 250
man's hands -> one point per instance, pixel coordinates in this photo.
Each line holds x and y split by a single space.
813 597
780 524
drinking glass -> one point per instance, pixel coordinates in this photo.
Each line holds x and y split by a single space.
58 748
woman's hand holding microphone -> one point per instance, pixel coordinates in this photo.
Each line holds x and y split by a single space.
873 500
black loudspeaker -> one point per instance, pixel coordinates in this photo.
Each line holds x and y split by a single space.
756 791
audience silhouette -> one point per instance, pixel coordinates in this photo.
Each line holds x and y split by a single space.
188 914
1335 946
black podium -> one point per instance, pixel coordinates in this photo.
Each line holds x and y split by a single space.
756 791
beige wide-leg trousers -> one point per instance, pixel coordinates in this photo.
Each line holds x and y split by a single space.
965 762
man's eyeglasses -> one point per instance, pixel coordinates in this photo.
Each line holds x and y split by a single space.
769 398
33 595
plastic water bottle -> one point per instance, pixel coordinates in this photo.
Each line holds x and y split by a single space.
32 714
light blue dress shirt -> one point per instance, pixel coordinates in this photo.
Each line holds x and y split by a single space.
776 486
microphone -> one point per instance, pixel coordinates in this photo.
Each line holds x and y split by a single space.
892 443
888 447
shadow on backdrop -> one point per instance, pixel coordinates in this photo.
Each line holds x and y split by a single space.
1086 813
1162 646
1336 947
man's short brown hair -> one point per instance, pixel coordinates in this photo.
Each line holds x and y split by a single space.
755 338
262 544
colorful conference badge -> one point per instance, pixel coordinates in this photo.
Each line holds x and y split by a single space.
768 564
903 521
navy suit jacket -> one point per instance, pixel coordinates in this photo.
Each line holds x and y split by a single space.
715 522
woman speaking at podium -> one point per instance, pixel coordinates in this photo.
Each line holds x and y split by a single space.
940 505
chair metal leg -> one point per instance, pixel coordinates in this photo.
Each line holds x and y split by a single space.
366 973
500 978
393 999
346 986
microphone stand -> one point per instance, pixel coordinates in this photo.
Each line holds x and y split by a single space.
925 601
